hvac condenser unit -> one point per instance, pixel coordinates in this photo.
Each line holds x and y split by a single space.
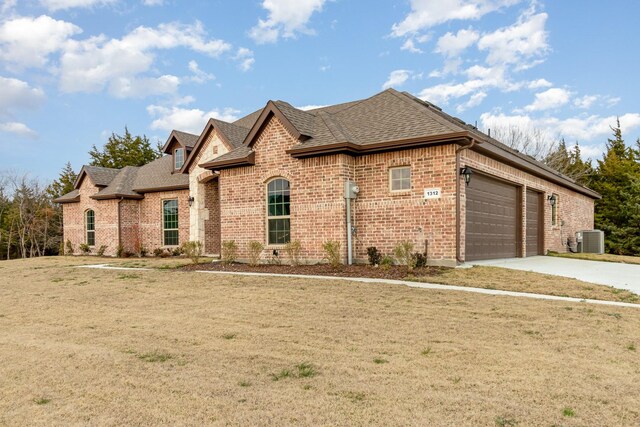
590 241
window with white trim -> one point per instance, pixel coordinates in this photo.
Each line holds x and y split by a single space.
90 227
400 178
278 212
170 223
178 158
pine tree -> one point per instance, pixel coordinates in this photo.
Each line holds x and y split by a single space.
64 184
126 150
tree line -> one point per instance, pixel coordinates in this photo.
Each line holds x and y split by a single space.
31 224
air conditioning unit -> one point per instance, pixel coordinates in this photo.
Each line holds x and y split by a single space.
590 241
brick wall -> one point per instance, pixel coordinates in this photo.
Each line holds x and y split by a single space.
150 224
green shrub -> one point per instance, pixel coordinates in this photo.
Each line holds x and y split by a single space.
101 250
84 248
61 248
386 262
332 252
68 248
120 251
176 251
193 250
158 252
294 249
421 259
229 252
255 250
403 253
143 252
374 255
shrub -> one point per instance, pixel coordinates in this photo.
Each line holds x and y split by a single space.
61 248
165 253
421 259
176 251
255 250
143 252
293 250
158 252
374 256
193 250
274 259
102 249
332 252
386 262
404 254
229 252
128 254
84 248
68 248
120 251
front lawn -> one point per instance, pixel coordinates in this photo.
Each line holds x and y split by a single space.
599 257
148 347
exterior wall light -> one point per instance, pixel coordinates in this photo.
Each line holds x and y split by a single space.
552 199
466 173
191 200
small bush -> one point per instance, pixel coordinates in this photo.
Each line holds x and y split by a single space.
176 251
255 250
332 252
193 250
374 256
229 252
568 412
386 262
421 259
61 248
165 254
102 249
84 248
294 249
275 259
120 251
68 248
404 254
158 252
143 252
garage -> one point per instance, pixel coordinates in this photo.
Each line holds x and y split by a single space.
534 223
492 209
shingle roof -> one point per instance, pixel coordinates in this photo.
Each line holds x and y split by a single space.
121 185
186 139
99 176
159 175
72 196
235 134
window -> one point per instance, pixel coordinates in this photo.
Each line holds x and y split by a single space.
278 219
90 227
178 158
170 222
554 210
400 178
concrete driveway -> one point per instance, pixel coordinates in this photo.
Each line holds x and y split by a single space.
623 276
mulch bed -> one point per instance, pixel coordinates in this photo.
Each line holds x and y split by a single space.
394 272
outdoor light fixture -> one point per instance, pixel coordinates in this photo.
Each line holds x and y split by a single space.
552 199
191 200
466 173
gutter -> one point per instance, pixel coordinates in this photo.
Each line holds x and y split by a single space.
458 205
119 227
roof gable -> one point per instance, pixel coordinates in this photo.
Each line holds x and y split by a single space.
100 177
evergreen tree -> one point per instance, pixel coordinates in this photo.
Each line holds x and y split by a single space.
126 150
569 162
64 184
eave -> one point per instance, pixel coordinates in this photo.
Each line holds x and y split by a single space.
248 160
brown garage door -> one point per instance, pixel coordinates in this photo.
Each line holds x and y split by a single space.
534 228
491 223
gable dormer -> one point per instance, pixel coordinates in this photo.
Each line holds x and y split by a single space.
179 146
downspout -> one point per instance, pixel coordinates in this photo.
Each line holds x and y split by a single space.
458 222
118 225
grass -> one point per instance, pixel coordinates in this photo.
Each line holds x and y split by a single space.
41 401
568 412
78 346
625 259
380 361
526 281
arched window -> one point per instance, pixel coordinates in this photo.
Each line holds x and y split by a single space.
278 209
90 227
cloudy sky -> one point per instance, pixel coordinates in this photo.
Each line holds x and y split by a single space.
73 71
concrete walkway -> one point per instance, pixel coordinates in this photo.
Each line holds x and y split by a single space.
623 276
404 283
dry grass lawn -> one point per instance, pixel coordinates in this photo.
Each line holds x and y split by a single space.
600 257
107 347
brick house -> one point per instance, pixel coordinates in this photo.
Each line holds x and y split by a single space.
279 174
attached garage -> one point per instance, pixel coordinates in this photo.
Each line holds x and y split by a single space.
492 212
535 223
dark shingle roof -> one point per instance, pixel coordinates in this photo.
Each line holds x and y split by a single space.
99 176
121 185
72 196
235 134
159 175
186 139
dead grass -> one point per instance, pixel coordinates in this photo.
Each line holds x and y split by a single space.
526 281
624 259
453 358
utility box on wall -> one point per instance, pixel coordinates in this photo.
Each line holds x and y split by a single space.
590 241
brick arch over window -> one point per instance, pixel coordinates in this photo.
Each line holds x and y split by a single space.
274 174
90 227
278 206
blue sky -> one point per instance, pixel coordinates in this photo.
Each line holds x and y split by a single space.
73 71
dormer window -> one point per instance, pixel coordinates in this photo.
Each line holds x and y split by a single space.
178 158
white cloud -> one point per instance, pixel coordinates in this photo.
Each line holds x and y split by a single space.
410 46
15 93
539 84
199 76
7 6
245 58
185 119
285 19
428 13
19 129
28 42
452 44
153 2
55 5
519 43
397 78
125 87
310 107
90 65
585 102
474 100
551 98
